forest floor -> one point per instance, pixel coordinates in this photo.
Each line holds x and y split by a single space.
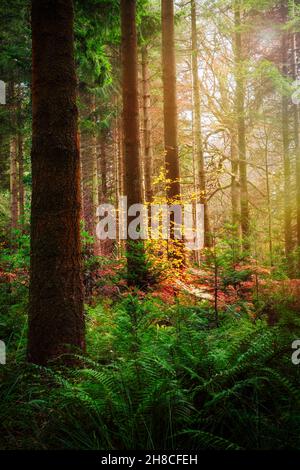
202 360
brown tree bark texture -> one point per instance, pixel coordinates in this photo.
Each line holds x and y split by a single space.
56 294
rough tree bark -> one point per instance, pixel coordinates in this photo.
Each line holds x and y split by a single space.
56 322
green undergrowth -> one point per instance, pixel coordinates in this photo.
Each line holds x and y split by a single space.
156 376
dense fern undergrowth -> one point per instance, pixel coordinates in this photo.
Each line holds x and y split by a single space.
155 376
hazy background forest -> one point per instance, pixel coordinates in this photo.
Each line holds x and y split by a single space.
145 344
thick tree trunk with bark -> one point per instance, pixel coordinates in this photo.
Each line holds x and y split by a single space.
56 322
136 264
198 127
241 128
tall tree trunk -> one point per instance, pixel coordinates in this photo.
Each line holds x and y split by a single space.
148 156
56 322
95 192
103 167
12 103
21 178
296 139
235 193
170 116
106 246
198 127
89 163
121 177
4 161
14 183
241 129
94 150
285 144
5 151
136 263
269 203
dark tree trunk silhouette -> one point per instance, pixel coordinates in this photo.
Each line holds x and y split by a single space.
56 323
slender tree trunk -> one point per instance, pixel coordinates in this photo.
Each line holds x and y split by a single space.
286 157
14 213
121 177
296 140
14 183
95 192
170 118
148 156
89 165
4 162
136 263
56 322
21 178
103 168
5 151
241 129
120 156
95 189
19 138
198 127
235 193
269 204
